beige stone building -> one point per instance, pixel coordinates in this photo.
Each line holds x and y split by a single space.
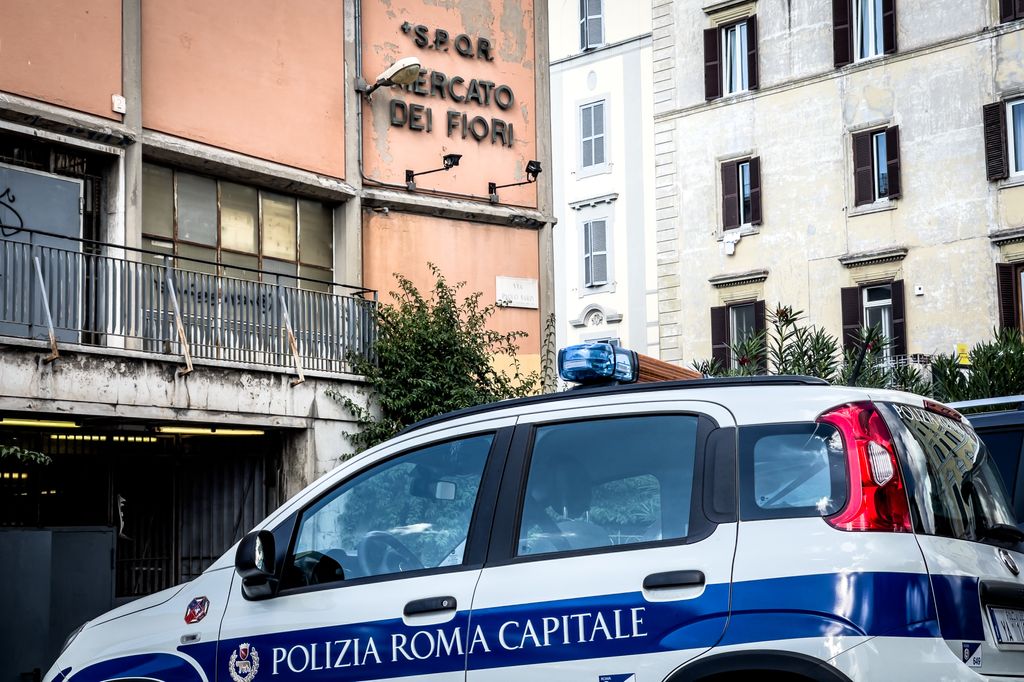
860 160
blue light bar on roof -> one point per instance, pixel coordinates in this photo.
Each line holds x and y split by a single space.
593 363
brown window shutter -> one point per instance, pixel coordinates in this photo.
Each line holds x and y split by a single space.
850 299
899 319
892 161
1007 10
759 327
1009 307
842 32
712 64
889 26
755 191
720 335
730 196
1019 14
997 163
752 79
863 169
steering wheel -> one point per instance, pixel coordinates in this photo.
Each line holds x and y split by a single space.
381 552
315 568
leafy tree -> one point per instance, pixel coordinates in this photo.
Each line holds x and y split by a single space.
789 346
996 369
435 353
23 455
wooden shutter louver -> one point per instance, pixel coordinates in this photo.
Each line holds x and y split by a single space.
712 64
1009 315
583 24
892 161
720 335
842 32
599 251
752 77
730 195
759 328
755 191
1019 14
899 319
863 169
997 162
1007 10
889 26
852 315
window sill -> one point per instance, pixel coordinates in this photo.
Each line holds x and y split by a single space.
591 171
742 231
877 207
1012 181
585 291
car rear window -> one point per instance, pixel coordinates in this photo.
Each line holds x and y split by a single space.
791 470
954 485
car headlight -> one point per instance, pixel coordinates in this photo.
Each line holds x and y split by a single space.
71 637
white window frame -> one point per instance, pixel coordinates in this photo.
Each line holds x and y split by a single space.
887 321
588 255
734 60
734 339
876 36
594 137
1011 140
879 164
585 18
740 196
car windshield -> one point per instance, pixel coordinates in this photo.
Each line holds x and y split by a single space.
953 483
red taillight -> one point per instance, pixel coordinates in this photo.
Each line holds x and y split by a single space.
877 497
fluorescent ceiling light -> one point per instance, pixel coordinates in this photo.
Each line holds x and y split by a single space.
198 431
39 423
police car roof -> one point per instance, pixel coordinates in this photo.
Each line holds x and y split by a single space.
583 391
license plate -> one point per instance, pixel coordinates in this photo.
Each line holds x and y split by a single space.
1008 624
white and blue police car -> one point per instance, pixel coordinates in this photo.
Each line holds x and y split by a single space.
720 529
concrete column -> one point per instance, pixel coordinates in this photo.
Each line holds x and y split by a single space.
131 88
348 219
545 181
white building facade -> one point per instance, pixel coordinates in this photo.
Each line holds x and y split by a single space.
603 175
858 160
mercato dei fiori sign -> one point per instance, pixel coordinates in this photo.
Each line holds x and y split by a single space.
472 93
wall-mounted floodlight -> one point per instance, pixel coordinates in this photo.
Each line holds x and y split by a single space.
449 160
533 169
403 72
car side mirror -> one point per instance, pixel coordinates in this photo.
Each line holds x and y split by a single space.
255 561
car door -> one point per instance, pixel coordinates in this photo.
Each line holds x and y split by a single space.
607 559
378 577
965 526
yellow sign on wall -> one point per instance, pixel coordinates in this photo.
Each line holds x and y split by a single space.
962 354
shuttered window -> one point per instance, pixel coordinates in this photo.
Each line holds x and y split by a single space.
1009 278
1010 10
879 305
730 58
741 193
595 253
876 165
733 324
591 24
862 29
592 135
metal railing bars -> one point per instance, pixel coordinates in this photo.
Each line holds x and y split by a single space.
114 301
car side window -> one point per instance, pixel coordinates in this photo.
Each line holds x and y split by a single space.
607 482
791 470
408 513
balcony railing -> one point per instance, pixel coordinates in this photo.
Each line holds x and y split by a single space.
113 296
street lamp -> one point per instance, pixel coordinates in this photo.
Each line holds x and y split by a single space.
402 72
533 169
449 160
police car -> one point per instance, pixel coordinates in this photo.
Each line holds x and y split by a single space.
775 527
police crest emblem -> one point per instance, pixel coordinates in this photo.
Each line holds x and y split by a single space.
244 663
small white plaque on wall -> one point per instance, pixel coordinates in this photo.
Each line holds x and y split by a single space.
516 292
